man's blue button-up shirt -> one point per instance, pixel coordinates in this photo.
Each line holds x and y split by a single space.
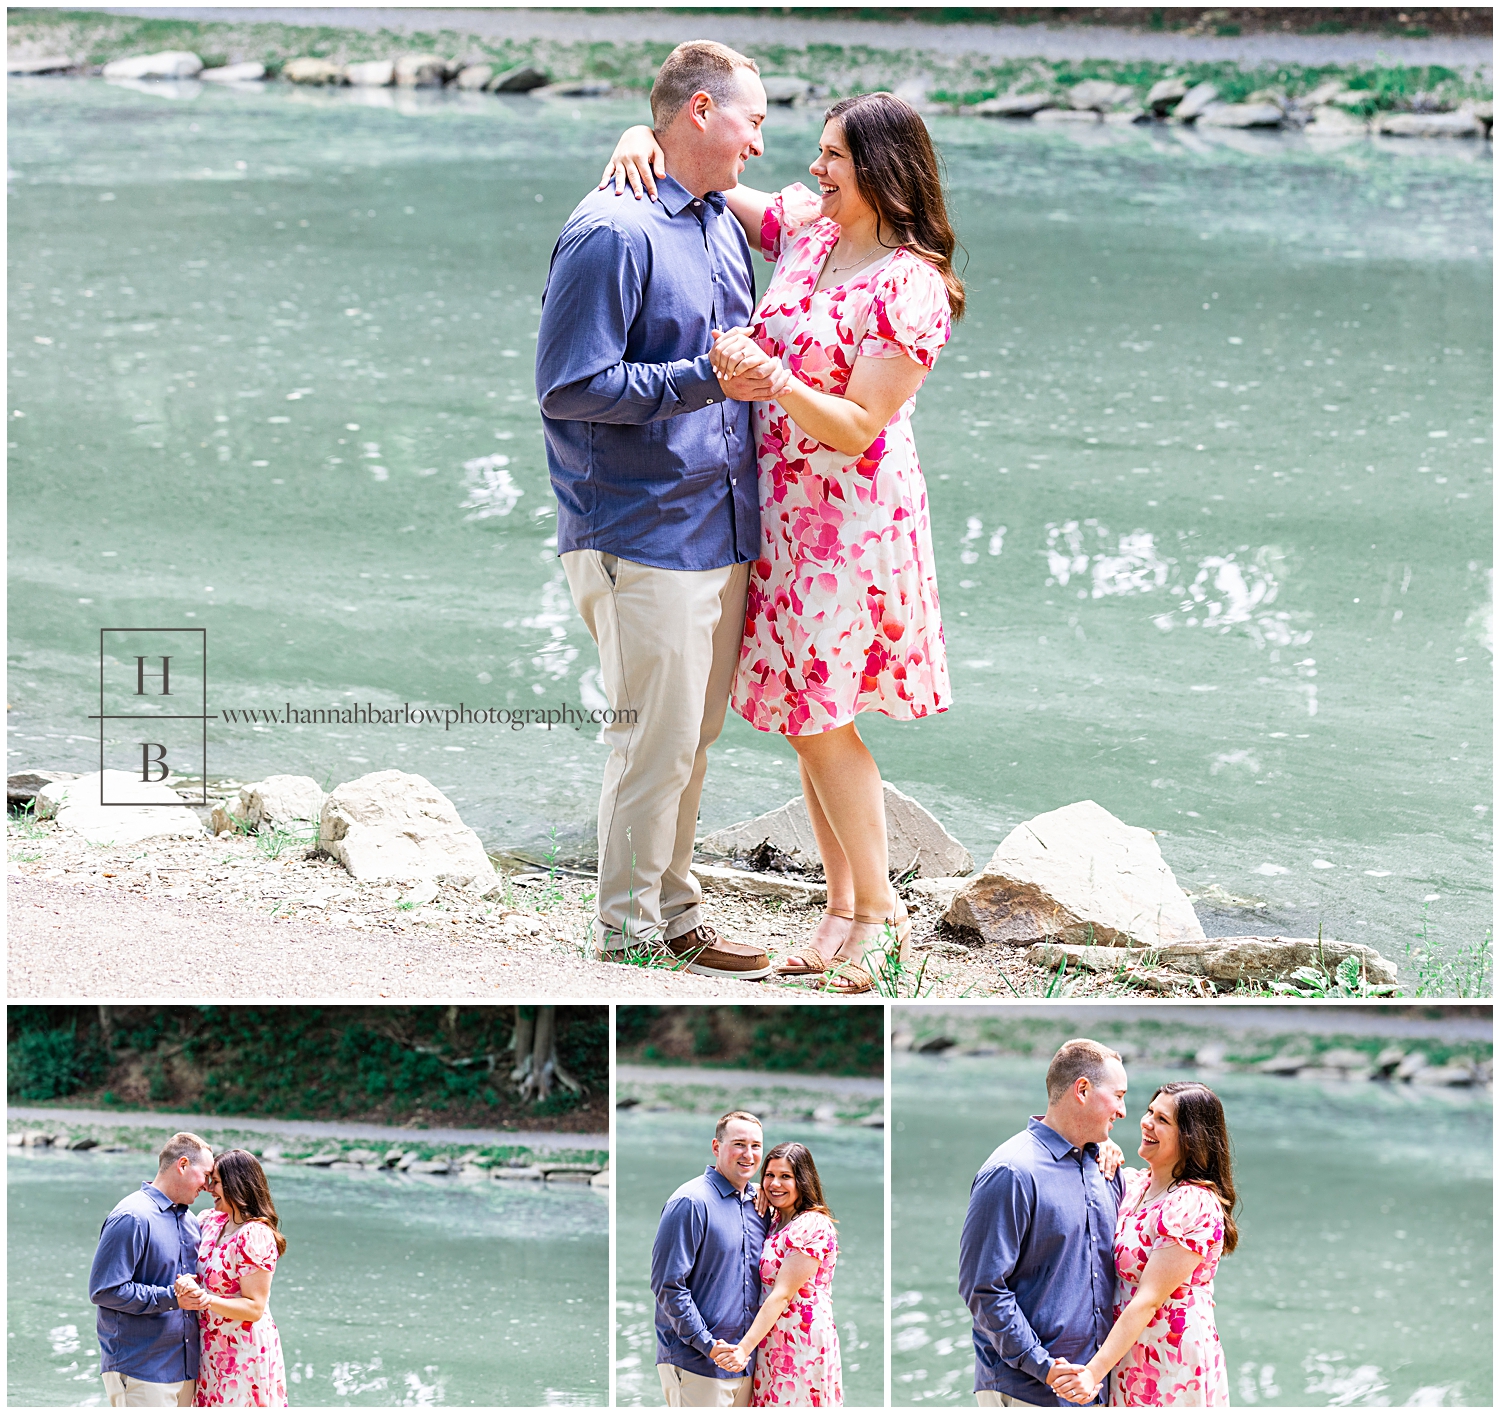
1036 1263
648 458
705 1272
146 1243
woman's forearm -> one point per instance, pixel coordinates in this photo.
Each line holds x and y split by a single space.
771 1310
839 423
1124 1334
237 1308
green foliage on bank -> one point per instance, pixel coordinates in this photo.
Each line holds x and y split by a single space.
96 38
386 1064
808 1040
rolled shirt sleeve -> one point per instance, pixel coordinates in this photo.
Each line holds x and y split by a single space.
679 1236
1000 1206
122 1245
593 297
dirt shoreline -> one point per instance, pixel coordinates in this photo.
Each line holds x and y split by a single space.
215 917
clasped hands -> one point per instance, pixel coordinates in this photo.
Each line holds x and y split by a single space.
1075 1383
746 372
728 1357
190 1296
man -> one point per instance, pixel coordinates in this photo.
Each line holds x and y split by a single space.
653 463
148 1336
705 1272
1036 1261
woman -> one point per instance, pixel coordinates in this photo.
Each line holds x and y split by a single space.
1175 1222
239 1358
799 1361
842 616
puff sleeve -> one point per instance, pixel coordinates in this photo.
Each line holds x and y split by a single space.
814 1234
259 1246
791 209
908 313
1192 1217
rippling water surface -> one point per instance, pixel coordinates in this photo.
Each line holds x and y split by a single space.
1363 1274
657 1152
393 1290
1209 469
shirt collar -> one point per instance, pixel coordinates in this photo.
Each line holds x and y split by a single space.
1054 1143
725 1188
160 1199
676 198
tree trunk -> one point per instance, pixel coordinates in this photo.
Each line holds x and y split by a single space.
538 1069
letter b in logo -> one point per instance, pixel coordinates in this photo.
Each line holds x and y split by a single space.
150 763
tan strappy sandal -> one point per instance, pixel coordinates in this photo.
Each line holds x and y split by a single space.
848 977
810 960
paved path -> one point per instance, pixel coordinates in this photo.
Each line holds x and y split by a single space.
760 1079
991 41
1369 1020
71 941
331 1129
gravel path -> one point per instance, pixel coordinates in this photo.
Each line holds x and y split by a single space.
996 42
745 1079
332 1129
72 940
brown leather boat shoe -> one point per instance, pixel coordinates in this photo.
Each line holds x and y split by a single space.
706 952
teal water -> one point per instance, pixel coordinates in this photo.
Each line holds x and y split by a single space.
1363 1274
392 1290
658 1152
1209 468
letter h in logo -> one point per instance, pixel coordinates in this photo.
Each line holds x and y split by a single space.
149 679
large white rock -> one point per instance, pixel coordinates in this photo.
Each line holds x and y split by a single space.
395 825
170 64
1194 101
1015 105
41 64
1076 875
371 73
250 72
1328 121
152 809
312 71
1165 94
913 838
420 71
1240 115
292 803
474 76
1429 125
786 89
1100 95
518 80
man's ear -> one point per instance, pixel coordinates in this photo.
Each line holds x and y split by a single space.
698 107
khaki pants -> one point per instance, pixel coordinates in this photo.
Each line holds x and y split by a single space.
684 1390
990 1398
127 1392
669 642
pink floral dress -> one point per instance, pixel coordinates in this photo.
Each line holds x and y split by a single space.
239 1362
842 615
1178 1359
798 1362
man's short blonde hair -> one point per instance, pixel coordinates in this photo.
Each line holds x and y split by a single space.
182 1146
1074 1059
723 1124
699 66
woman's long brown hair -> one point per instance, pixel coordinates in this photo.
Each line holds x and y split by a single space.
804 1175
899 174
242 1181
1204 1136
